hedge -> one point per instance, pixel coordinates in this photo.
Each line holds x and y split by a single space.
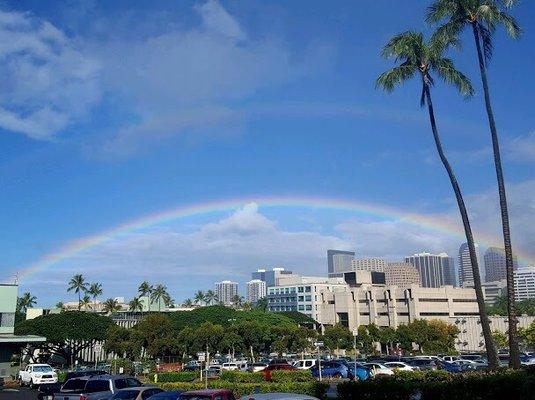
300 375
242 377
500 385
184 376
312 388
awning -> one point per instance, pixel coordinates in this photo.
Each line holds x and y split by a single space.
21 338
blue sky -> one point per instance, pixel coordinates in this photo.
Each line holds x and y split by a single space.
114 110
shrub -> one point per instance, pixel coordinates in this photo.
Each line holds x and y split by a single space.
184 376
291 376
242 377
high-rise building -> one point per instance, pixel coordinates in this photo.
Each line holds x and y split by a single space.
524 283
495 269
369 264
225 291
256 290
430 267
271 277
448 263
401 274
339 261
466 276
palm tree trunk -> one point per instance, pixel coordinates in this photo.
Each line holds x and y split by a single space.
485 325
79 305
514 351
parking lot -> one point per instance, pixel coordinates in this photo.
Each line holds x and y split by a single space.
18 394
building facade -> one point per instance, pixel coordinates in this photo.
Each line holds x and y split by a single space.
401 274
430 267
466 276
369 264
524 283
271 277
338 261
448 266
255 290
495 267
225 291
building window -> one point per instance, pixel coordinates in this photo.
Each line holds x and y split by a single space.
434 314
435 300
308 298
301 298
308 289
300 289
7 320
465 300
308 307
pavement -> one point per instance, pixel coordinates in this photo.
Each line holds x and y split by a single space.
18 394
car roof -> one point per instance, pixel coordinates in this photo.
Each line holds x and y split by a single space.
206 392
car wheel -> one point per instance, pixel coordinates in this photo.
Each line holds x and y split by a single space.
31 384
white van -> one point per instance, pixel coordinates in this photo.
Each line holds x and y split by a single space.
305 364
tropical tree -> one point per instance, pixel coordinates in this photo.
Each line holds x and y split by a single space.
482 17
60 305
110 306
85 302
237 300
145 290
199 297
135 304
187 303
417 56
209 297
95 290
159 294
25 302
79 286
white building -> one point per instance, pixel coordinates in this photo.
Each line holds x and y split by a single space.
401 274
524 283
256 290
225 291
466 276
369 264
431 267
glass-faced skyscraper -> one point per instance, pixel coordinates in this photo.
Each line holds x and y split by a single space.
466 277
495 267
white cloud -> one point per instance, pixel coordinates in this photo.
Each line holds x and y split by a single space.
522 148
47 83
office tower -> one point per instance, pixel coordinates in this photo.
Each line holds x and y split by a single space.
256 290
401 274
448 263
339 261
225 291
369 264
524 283
495 269
466 277
430 267
271 277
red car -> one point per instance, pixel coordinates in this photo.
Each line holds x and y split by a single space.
208 394
275 367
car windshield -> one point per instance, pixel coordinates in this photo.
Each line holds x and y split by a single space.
42 368
74 384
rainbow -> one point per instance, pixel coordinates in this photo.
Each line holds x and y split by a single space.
77 246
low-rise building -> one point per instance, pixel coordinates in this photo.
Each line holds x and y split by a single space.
524 283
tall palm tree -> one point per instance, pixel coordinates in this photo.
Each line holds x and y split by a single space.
145 290
209 297
199 297
95 290
135 304
159 294
79 285
187 303
25 302
237 300
110 306
85 302
60 305
419 57
482 17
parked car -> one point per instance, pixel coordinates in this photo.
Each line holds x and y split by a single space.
450 358
379 369
332 370
208 394
37 374
359 370
305 364
278 396
100 387
136 393
229 366
400 366
424 363
46 391
449 367
257 367
169 395
279 361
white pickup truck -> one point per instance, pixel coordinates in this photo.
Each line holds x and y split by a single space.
37 374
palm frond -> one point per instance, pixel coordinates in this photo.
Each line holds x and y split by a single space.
486 39
511 25
441 9
510 3
445 68
403 46
388 80
446 35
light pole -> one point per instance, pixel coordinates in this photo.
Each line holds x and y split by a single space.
318 345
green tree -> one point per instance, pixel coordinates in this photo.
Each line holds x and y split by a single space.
155 334
231 342
159 294
237 300
67 334
209 297
145 290
417 56
110 306
262 304
79 286
500 339
85 302
338 337
209 337
528 336
364 340
188 303
253 334
199 297
135 304
482 17
27 300
95 290
185 341
119 341
60 305
388 336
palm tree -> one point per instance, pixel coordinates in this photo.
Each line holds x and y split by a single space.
145 290
25 302
95 290
199 297
187 303
110 306
158 294
209 297
483 17
60 305
416 56
85 302
237 300
79 285
135 304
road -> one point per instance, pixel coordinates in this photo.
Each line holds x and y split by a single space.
18 394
